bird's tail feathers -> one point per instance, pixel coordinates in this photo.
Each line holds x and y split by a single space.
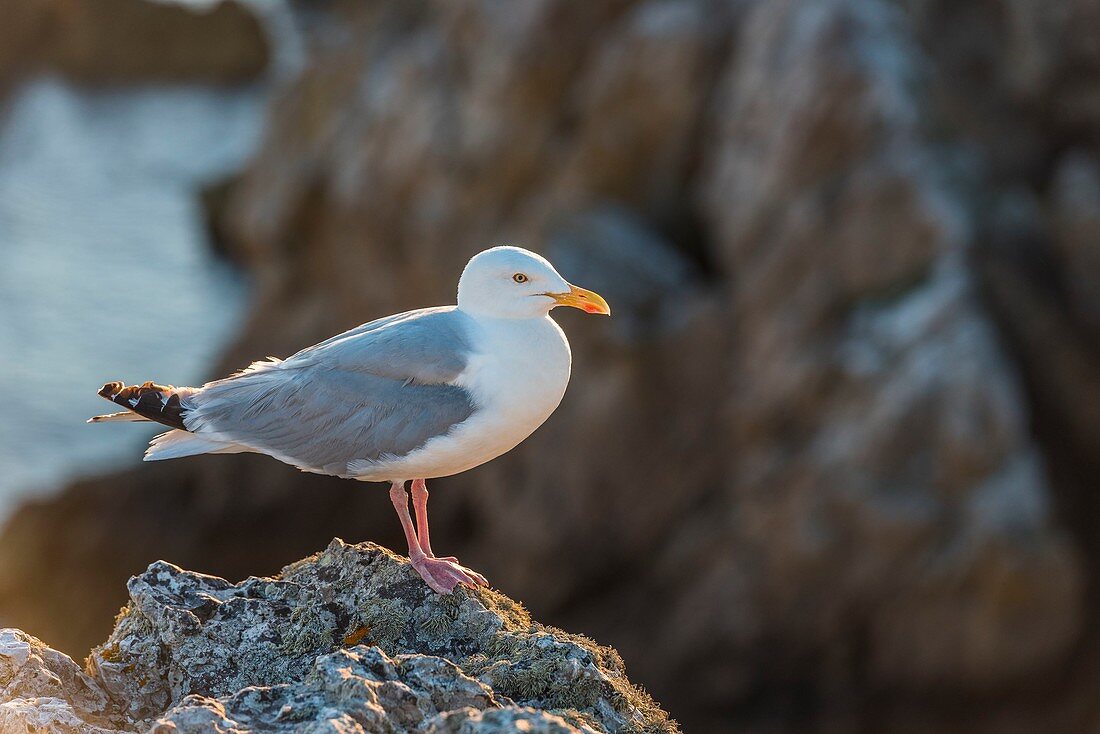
162 404
177 443
124 416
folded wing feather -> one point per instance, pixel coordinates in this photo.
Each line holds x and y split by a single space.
378 391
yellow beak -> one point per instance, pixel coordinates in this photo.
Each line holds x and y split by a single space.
586 301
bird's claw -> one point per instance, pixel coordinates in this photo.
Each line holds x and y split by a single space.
444 574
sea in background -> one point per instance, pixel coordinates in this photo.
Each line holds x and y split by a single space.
105 268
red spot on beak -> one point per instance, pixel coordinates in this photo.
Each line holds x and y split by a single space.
586 301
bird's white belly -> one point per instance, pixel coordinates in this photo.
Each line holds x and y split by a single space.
518 379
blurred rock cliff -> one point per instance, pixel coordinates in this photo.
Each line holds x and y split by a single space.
831 464
112 41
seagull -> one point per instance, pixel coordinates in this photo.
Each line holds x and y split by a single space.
414 396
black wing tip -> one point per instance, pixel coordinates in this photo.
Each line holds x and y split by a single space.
158 403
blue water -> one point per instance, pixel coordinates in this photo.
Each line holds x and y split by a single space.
105 272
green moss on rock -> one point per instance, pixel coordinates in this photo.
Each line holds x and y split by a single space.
353 633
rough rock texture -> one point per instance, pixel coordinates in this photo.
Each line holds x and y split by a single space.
348 640
44 690
111 41
832 463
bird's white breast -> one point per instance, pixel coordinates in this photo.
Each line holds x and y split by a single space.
517 376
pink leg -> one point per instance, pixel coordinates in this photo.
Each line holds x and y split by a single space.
441 574
420 505
419 494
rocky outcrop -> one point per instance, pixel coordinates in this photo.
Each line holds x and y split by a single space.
114 41
347 640
42 689
827 467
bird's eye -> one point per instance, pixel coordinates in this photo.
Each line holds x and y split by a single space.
519 278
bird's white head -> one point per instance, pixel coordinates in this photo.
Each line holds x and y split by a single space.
513 283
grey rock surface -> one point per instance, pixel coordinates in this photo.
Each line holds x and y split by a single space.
347 640
45 690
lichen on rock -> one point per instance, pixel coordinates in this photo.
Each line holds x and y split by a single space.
45 690
349 639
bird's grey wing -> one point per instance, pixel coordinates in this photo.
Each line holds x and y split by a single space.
362 329
320 420
428 346
368 395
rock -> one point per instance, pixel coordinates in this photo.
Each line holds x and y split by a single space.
1076 230
349 639
882 339
137 40
21 37
44 690
126 41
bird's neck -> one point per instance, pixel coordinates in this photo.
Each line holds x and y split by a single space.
489 316
531 336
